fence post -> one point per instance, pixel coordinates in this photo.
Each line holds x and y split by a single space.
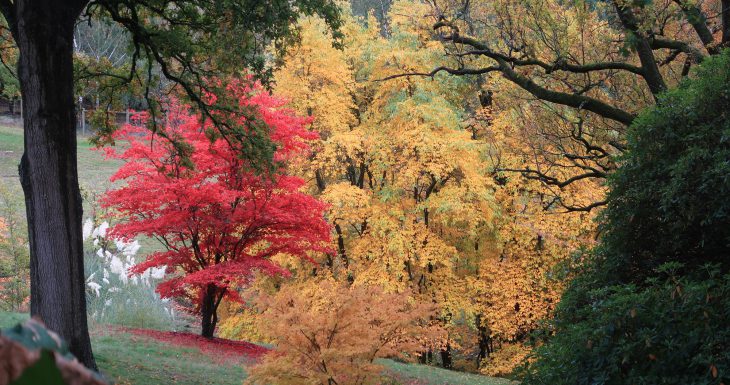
83 121
127 115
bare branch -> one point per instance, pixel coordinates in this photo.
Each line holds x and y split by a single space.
453 71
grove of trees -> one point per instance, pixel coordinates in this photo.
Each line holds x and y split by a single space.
530 189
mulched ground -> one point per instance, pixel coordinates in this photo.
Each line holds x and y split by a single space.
216 348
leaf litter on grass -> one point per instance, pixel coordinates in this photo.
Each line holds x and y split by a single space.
222 350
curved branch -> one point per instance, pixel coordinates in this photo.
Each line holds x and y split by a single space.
697 19
560 65
453 71
571 100
553 181
657 42
651 74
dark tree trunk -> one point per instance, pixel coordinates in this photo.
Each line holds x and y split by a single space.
698 21
726 23
208 311
446 357
43 31
341 251
483 340
426 357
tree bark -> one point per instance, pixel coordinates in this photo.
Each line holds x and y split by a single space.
698 21
446 361
43 31
208 311
726 23
649 66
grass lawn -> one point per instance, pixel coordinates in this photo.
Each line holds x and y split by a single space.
429 375
94 170
127 359
130 359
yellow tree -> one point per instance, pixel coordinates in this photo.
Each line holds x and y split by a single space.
409 168
587 67
405 182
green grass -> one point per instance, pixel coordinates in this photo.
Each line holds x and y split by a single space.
128 359
429 375
8 319
94 170
11 148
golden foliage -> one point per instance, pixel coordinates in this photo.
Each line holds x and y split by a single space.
330 333
503 362
409 169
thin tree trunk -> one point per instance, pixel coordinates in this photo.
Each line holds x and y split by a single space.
208 312
43 31
483 340
446 361
341 251
725 23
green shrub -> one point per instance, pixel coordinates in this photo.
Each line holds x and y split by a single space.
671 330
652 304
669 200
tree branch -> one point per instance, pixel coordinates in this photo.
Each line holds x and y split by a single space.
453 71
572 100
651 73
697 19
560 65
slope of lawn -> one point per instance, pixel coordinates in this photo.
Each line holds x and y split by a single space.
413 374
129 359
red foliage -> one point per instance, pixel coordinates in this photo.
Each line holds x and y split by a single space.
218 220
215 347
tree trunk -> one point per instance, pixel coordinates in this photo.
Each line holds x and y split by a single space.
725 23
446 357
208 312
43 31
483 340
426 357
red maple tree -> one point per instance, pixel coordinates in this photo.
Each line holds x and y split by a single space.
218 220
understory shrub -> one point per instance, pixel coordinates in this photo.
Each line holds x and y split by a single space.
671 330
14 254
330 333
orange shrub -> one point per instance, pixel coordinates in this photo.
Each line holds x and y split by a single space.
329 333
